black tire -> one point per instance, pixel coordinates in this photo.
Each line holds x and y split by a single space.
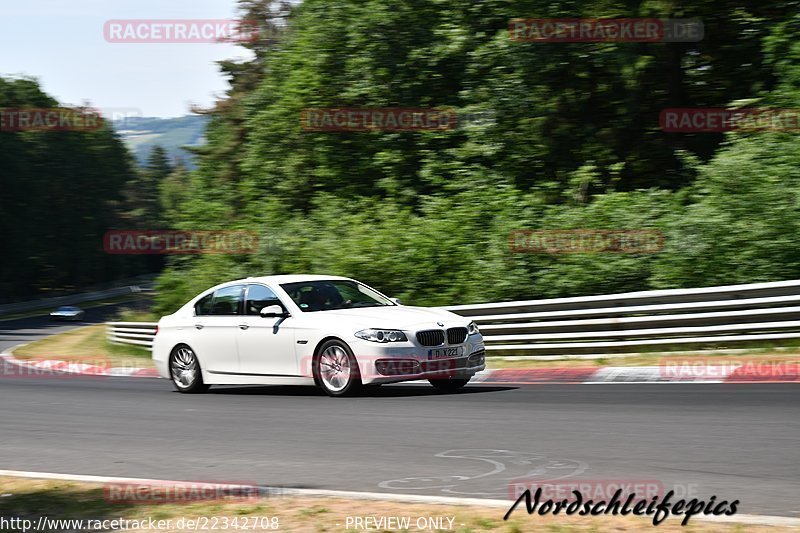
184 358
449 384
327 352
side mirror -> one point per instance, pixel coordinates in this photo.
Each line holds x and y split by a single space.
396 300
272 311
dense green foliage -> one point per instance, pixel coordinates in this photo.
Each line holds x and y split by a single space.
569 137
572 141
59 192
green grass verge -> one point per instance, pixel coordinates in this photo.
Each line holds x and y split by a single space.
88 344
31 499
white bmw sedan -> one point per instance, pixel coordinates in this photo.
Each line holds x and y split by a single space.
330 331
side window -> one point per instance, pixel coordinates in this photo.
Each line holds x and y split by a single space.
203 306
259 297
228 301
351 291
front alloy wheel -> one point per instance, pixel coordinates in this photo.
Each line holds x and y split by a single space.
185 370
336 369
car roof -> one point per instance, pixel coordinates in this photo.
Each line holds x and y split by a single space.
281 279
287 278
269 280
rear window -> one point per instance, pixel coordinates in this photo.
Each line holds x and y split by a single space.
228 301
203 306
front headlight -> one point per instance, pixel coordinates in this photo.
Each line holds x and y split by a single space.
472 328
382 335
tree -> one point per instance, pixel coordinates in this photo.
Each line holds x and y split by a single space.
59 193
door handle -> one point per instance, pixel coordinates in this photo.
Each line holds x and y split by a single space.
198 326
243 326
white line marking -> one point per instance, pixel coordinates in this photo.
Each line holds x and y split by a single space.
695 382
278 490
385 496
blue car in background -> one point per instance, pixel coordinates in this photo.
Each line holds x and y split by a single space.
67 312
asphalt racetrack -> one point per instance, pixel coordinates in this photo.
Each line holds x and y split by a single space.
735 441
24 330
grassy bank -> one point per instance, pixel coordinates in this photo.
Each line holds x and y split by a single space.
85 344
69 500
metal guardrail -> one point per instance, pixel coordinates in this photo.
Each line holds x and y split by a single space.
707 317
138 333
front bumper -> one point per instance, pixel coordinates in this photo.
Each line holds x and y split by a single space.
384 363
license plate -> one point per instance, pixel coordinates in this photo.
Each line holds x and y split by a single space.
445 353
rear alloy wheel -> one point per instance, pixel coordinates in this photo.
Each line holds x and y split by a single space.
449 384
184 368
336 369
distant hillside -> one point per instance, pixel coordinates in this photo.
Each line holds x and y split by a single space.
141 134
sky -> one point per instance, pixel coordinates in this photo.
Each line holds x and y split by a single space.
62 44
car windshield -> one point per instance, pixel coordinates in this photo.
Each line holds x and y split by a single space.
67 308
327 295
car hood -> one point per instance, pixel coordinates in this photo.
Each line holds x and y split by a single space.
393 317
